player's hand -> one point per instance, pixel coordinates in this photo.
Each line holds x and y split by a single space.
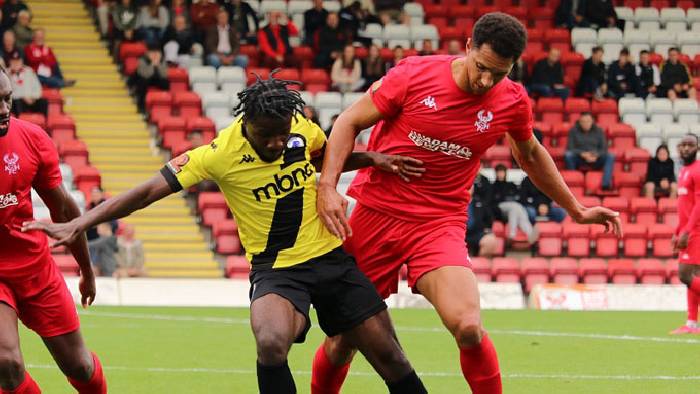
682 242
331 207
601 215
404 167
87 288
64 233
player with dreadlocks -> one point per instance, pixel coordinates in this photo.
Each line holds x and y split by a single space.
265 164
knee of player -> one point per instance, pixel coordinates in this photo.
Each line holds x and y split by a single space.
468 332
272 348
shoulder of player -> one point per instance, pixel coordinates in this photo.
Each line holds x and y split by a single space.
305 127
421 64
30 129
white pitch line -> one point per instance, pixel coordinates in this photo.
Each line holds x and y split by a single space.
225 320
228 371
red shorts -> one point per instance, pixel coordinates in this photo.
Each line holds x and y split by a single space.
691 254
382 243
42 301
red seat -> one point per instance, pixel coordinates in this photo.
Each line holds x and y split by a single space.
60 121
622 271
237 267
209 216
305 55
449 33
607 243
542 17
202 125
576 105
535 271
506 269
315 76
660 235
129 53
685 4
593 271
86 178
210 200
178 147
637 160
461 11
35 118
550 242
564 270
635 240
291 74
589 201
672 271
253 72
225 227
607 106
594 180
253 54
549 104
577 239
172 130
228 244
481 267
644 210
435 10
575 180
668 210
74 153
557 35
622 136
179 79
187 104
158 104
535 35
628 184
498 154
66 264
651 271
54 99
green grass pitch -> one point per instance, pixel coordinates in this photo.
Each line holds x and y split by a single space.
211 350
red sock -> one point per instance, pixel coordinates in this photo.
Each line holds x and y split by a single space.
480 367
695 286
28 386
97 383
326 378
692 306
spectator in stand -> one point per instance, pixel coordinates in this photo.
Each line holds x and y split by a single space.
391 8
179 8
328 130
331 40
505 199
593 76
222 44
103 250
548 77
622 78
26 88
661 176
9 46
399 55
346 73
124 21
480 240
130 255
102 11
311 114
23 32
352 18
564 15
676 80
597 14
587 146
243 19
152 21
40 57
180 45
538 205
97 198
314 19
648 76
203 14
373 67
10 12
519 72
150 72
273 40
455 48
427 49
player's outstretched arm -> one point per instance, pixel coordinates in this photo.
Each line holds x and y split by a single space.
64 209
404 167
114 208
534 159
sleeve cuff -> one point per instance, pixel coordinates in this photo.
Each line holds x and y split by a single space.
174 184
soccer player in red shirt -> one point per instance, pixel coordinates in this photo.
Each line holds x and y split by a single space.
445 111
31 287
687 237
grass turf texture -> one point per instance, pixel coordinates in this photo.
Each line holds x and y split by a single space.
211 350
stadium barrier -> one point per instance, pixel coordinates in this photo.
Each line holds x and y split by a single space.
609 297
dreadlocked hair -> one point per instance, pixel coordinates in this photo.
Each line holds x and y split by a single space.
269 98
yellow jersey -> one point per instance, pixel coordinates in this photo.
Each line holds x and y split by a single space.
274 203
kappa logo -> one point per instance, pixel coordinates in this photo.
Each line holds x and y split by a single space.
247 159
7 200
430 103
483 121
11 163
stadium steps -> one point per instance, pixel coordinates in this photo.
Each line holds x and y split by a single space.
119 141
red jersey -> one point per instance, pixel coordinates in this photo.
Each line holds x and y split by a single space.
689 199
41 59
428 117
29 160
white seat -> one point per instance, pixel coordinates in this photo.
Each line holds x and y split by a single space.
307 96
649 25
200 74
232 87
695 26
331 5
488 173
298 20
325 115
609 36
255 5
672 130
648 130
372 30
363 137
663 48
625 13
230 74
659 111
642 14
693 15
611 52
217 112
350 98
688 38
662 37
636 37
583 35
66 174
273 5
686 111
202 88
414 10
397 32
691 50
216 104
632 110
223 122
328 100
79 199
515 175
672 15
585 48
425 32
677 27
297 7
233 101
636 48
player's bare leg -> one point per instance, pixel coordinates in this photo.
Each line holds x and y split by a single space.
454 293
13 377
276 324
78 364
689 273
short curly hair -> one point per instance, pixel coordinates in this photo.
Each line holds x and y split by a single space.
504 34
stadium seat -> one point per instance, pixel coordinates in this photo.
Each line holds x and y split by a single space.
622 136
315 76
350 98
644 210
216 104
179 79
506 269
237 267
66 264
158 105
593 271
564 270
624 13
228 244
686 111
203 125
35 118
619 204
651 272
609 36
622 271
637 160
660 236
212 207
583 35
86 178
129 53
668 210
187 104
672 15
632 110
231 79
649 137
642 14
424 32
60 121
54 99
203 76
672 271
481 267
635 240
535 271
172 130
550 242
74 153
593 182
397 34
254 72
628 184
498 154
606 242
577 239
659 111
576 105
273 5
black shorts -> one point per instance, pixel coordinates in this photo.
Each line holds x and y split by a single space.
342 295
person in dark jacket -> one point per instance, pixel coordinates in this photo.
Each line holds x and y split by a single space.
480 240
538 205
331 40
548 77
587 146
314 20
506 201
593 76
648 76
373 67
273 41
598 13
151 72
661 176
519 72
243 19
676 81
222 44
622 78
179 43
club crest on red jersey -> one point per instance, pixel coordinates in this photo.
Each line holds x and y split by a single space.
11 163
483 121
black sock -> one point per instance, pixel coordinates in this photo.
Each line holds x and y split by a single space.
276 379
409 384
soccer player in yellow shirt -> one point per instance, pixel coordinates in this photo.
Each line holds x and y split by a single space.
265 164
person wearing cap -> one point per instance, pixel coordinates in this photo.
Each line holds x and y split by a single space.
26 88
